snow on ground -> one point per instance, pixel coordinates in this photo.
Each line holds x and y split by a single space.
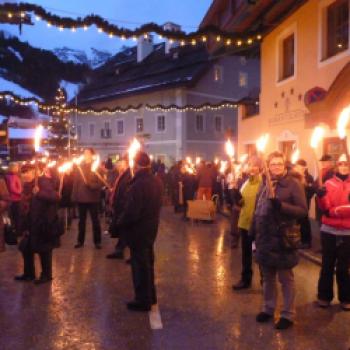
72 89
16 53
6 85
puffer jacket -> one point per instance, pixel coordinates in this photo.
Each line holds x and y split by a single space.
336 203
270 224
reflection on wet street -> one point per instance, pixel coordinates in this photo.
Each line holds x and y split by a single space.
84 307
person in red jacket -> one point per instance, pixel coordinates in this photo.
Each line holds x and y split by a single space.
334 201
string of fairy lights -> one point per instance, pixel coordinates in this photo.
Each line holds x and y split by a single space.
59 108
113 31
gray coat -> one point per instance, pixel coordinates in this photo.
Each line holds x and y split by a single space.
89 192
270 224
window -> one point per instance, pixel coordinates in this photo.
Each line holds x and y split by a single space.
139 125
107 125
287 57
333 146
242 79
79 131
218 77
120 127
160 123
250 109
287 148
218 123
199 123
91 130
337 27
106 132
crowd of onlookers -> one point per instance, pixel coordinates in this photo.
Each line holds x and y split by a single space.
268 200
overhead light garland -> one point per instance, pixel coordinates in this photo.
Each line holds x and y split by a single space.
59 108
112 30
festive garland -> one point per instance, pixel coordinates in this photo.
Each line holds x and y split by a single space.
7 95
202 35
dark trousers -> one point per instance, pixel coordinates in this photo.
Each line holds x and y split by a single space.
335 254
305 230
14 213
93 208
247 256
45 260
234 225
121 245
142 267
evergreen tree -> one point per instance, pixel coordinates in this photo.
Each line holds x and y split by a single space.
61 138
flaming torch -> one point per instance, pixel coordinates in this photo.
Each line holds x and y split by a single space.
316 137
133 149
62 170
94 168
37 141
295 156
261 144
77 161
342 123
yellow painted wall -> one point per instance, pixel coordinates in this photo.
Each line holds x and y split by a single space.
286 120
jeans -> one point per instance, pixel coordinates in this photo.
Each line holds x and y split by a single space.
335 254
286 279
93 208
142 267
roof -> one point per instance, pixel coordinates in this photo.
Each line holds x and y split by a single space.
122 75
250 16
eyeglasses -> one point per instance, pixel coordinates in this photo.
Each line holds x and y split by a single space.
276 164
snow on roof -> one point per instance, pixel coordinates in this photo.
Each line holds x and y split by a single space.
17 133
6 85
16 53
72 89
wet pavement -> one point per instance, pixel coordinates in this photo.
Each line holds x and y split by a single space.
84 307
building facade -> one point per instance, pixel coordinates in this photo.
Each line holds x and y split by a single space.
166 76
305 73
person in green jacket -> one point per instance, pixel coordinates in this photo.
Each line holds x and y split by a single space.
249 191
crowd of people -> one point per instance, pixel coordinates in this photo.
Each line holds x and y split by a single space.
269 206
269 202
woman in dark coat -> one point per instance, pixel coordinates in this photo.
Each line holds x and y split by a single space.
41 227
274 219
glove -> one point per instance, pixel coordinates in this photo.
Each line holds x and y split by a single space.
276 203
321 192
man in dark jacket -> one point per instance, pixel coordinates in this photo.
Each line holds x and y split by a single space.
276 210
118 201
139 221
87 194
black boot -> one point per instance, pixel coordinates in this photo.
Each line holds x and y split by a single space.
24 278
241 285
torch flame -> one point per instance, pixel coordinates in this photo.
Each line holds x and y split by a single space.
262 142
65 167
316 136
343 122
78 160
223 166
96 163
243 158
216 161
37 137
189 160
52 164
198 160
133 149
189 170
295 156
230 149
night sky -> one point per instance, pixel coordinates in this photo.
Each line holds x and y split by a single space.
127 13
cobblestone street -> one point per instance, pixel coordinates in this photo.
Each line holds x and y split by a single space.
84 307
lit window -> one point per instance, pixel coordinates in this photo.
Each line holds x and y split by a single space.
218 77
199 123
161 123
139 125
243 79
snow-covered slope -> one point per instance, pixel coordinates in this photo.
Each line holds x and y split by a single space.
6 85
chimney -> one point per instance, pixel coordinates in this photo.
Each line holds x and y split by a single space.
144 47
169 44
